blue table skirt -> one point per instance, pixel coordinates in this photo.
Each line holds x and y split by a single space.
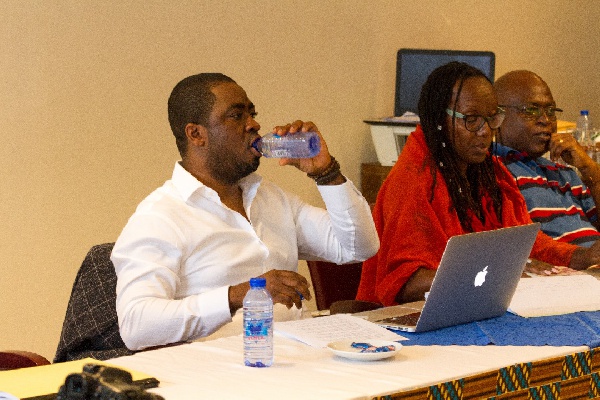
577 329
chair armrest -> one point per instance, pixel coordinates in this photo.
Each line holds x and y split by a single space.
13 359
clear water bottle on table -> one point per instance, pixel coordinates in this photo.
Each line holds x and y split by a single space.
295 145
258 325
584 133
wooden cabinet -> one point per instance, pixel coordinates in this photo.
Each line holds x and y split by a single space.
372 176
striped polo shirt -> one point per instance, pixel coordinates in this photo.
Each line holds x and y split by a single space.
555 196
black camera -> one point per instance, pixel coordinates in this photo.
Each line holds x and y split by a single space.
103 383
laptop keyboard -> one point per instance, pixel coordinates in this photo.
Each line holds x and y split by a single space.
408 319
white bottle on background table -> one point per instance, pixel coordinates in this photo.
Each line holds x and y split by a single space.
585 131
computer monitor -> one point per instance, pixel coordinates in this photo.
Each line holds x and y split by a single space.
413 66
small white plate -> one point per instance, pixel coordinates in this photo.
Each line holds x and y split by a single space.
343 348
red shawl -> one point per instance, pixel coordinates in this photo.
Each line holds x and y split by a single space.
413 231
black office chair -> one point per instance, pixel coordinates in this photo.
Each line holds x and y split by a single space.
335 287
90 328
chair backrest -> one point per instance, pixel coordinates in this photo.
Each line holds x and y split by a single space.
91 328
332 282
13 359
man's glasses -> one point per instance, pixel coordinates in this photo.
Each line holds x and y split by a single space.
534 112
473 123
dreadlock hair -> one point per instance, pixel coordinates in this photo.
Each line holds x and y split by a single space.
191 101
465 191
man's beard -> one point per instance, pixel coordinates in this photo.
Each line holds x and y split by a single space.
227 169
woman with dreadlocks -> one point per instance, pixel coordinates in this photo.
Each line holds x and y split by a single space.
447 183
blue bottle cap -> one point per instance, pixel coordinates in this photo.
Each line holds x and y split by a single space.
584 112
258 282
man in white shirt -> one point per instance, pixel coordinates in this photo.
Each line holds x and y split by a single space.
185 257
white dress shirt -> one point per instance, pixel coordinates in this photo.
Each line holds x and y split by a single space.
182 249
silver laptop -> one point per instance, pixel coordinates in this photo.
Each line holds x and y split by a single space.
476 279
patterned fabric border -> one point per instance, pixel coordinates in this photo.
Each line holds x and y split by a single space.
446 391
575 376
577 365
514 377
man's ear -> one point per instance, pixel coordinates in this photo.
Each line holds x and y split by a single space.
196 134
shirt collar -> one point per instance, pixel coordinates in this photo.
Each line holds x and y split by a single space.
187 184
510 154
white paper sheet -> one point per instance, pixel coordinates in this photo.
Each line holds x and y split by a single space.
555 295
318 332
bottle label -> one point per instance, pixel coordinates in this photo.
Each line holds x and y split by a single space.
281 153
257 329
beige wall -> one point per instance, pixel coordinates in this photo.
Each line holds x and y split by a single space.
84 84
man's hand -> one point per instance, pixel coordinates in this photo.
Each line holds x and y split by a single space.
584 258
564 145
313 165
285 287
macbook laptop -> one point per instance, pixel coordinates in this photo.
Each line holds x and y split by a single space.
476 279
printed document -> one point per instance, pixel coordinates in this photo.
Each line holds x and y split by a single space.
555 295
320 331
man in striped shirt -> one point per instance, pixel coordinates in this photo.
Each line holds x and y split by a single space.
562 200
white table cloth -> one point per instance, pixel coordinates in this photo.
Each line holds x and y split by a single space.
215 369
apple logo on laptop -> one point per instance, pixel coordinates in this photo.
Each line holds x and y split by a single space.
480 277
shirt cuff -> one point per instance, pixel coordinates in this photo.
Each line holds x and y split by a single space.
341 197
213 308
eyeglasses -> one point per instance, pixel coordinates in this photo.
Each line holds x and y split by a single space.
473 123
534 112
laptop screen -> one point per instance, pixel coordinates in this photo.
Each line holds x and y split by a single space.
413 66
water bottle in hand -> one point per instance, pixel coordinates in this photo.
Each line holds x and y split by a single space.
296 145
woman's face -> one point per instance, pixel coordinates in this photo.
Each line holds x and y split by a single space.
477 97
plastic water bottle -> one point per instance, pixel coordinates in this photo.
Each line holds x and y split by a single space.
258 325
585 131
297 145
